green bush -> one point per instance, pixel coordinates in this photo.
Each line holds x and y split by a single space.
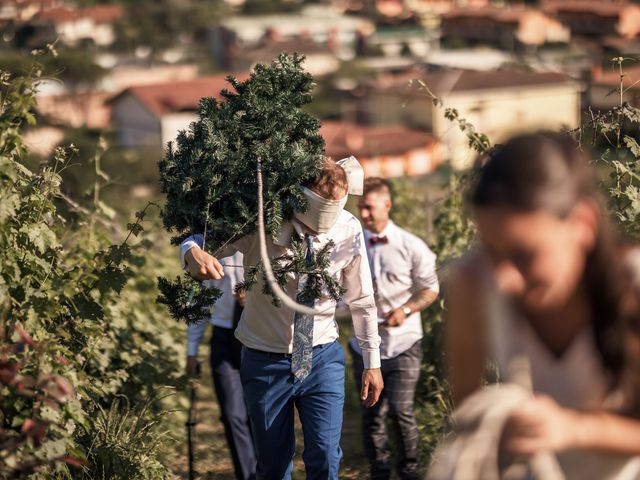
81 328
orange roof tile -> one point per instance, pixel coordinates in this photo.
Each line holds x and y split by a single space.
445 82
611 77
343 139
99 13
510 14
59 14
177 96
605 9
104 13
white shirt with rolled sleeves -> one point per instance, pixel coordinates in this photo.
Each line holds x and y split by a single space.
266 327
222 312
399 267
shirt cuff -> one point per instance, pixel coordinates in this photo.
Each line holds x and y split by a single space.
371 358
192 348
184 248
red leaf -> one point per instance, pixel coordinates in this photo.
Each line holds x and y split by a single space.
65 385
26 338
76 462
38 432
27 425
63 361
8 372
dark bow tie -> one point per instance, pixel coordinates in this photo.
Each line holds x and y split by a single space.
374 240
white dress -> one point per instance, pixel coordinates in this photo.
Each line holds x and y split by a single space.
575 380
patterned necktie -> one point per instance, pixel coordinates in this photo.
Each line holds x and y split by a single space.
303 326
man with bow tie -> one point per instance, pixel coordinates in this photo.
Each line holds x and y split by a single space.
405 283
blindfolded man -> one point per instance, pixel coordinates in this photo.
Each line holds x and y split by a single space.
293 359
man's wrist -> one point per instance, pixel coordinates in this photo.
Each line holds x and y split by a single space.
407 310
581 436
185 247
371 359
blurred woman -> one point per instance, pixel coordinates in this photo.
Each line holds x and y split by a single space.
549 283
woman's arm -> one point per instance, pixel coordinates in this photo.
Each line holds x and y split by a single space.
606 431
465 328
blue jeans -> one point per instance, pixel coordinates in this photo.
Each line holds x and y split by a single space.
270 395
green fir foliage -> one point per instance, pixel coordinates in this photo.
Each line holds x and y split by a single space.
187 298
318 281
211 169
209 174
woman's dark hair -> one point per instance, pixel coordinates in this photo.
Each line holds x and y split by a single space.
547 171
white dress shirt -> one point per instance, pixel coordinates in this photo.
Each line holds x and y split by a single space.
222 312
268 328
400 268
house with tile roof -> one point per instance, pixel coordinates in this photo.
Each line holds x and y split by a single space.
323 24
604 87
497 103
596 18
383 151
319 58
24 10
75 25
152 115
506 27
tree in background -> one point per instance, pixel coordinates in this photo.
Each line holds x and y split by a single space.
210 179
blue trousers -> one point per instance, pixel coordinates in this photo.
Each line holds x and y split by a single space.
225 366
271 395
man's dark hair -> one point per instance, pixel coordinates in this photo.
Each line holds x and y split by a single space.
376 185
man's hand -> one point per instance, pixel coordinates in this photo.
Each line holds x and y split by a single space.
241 296
193 366
203 266
395 318
372 386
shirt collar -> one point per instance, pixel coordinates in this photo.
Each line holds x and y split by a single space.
289 229
386 231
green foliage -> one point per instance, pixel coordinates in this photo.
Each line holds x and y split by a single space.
186 298
42 405
454 232
318 278
75 68
210 178
211 170
615 133
80 307
454 228
124 443
476 141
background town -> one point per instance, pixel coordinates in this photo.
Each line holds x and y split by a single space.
403 85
